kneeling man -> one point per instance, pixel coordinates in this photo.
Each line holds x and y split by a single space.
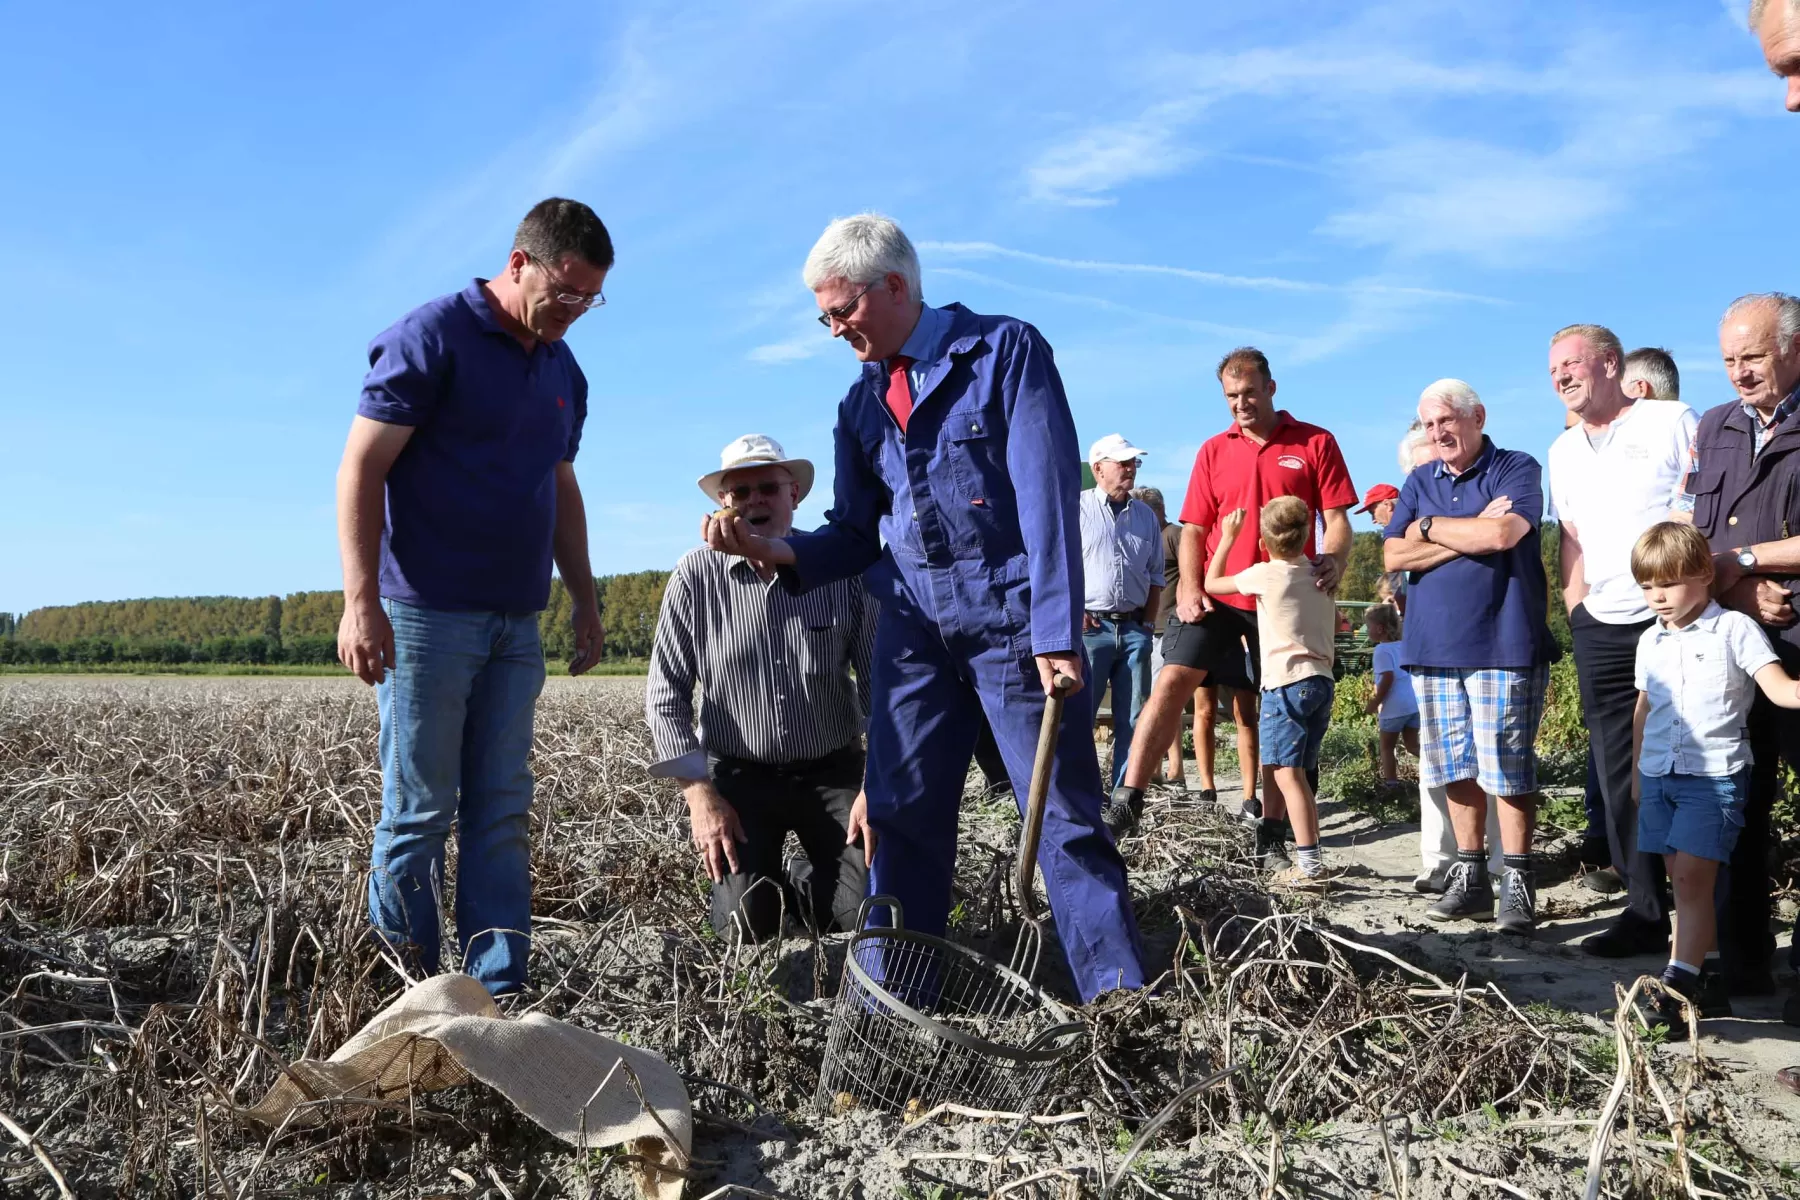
779 739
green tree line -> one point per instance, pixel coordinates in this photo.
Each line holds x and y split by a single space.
298 628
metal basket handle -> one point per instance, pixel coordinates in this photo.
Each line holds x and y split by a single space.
891 903
1038 794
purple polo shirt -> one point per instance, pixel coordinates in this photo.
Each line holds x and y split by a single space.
471 500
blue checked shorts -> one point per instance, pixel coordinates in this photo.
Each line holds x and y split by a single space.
1292 725
1480 724
1699 814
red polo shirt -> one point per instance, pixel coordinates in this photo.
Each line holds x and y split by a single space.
1231 471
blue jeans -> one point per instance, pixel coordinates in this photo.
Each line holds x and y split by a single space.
456 727
1118 653
1292 725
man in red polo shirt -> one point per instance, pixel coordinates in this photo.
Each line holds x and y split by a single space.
1266 453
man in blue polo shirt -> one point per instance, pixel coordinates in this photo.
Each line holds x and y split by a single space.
1477 644
456 494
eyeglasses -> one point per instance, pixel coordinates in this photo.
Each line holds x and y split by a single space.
843 312
586 301
765 489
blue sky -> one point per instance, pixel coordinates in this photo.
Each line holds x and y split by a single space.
209 211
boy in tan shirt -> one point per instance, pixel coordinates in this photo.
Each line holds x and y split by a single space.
1297 622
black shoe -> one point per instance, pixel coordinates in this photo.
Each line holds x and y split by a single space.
1595 852
1709 997
1208 795
1465 897
1432 883
1123 810
1250 810
1518 902
1271 849
1604 880
1627 936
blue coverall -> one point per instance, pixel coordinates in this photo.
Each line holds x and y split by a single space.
980 571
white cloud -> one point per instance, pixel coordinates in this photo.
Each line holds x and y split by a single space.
1096 161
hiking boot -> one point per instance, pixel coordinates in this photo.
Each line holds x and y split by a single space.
1271 849
1122 811
1432 883
1710 996
1628 936
1466 896
1518 902
1604 880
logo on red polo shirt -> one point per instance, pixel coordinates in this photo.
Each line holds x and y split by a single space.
1287 460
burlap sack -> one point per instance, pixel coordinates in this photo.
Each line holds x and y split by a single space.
569 1080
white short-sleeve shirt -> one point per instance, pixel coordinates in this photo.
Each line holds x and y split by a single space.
1611 495
1701 681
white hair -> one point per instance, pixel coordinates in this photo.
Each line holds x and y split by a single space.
862 249
1787 312
1462 399
1409 447
1759 7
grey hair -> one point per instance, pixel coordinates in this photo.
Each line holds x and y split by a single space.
1656 367
1787 312
1462 399
1154 498
1759 7
1409 446
862 249
1598 337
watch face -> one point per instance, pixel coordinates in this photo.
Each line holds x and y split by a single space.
1746 559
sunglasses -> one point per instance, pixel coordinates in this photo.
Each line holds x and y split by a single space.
765 489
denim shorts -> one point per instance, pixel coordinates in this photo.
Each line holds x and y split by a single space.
1400 721
1292 726
1699 814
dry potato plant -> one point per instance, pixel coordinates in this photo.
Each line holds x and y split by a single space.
182 883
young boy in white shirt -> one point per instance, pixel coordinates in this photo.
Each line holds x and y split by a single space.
1393 699
1698 668
1297 623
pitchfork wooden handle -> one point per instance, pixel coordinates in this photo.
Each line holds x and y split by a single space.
1038 794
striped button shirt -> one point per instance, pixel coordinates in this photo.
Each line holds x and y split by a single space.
773 669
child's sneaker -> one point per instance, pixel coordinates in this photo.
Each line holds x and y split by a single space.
1298 879
1711 997
1271 848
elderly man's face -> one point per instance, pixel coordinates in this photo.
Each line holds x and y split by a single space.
1456 437
1762 372
1424 452
764 496
1779 32
1116 479
1580 373
874 319
1383 512
1250 397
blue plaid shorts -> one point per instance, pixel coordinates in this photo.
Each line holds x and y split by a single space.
1480 724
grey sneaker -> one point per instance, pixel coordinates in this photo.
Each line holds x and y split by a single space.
1518 902
1433 882
1466 897
1122 811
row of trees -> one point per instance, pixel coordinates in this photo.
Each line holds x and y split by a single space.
299 628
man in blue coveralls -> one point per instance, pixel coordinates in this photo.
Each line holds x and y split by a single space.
956 490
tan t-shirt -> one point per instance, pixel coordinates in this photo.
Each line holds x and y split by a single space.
1295 621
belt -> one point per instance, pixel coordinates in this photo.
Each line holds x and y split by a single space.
1136 614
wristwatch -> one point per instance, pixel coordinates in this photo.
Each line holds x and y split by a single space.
1425 528
1746 558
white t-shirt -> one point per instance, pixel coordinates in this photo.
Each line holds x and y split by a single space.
1700 681
1296 623
1611 495
1400 699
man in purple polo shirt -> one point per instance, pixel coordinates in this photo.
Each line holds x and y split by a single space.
456 493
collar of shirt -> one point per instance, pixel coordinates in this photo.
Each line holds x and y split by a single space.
1761 428
1481 460
1282 421
1706 622
925 344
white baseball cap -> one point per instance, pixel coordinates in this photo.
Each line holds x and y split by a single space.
1113 448
756 450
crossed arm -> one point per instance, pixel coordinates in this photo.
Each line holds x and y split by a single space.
1497 528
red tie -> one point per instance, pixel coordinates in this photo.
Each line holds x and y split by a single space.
899 393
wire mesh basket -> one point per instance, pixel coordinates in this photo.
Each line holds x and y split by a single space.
920 1021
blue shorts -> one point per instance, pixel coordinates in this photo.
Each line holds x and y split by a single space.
1292 726
1700 815
1400 721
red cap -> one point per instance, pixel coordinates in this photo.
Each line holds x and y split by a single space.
1378 493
